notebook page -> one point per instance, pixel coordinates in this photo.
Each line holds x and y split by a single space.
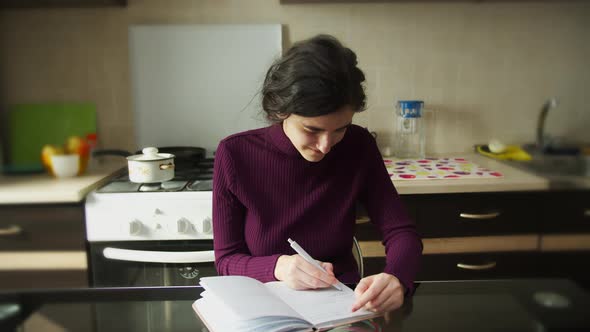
273 324
217 317
320 305
247 298
212 316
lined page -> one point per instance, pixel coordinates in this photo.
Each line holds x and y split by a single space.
319 306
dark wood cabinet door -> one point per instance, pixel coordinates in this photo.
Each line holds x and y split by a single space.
468 214
566 212
479 266
469 266
568 264
42 227
43 279
482 215
475 214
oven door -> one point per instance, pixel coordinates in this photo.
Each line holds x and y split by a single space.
151 263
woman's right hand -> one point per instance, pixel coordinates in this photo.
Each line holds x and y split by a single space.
297 273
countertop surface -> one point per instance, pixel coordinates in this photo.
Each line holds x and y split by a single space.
513 179
44 188
523 305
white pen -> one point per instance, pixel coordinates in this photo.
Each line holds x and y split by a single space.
308 258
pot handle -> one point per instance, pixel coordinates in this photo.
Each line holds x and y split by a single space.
167 166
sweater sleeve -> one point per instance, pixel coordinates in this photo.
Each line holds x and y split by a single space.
403 246
232 256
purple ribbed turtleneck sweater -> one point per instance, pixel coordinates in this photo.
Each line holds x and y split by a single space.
265 192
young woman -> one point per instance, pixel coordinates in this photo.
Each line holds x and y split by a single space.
301 178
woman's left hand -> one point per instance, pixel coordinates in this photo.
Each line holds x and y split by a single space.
379 293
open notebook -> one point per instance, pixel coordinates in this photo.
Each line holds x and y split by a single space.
243 304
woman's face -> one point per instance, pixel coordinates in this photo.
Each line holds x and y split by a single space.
313 137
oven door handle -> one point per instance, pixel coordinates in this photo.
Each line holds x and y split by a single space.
147 256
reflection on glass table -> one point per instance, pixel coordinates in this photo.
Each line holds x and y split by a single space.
492 305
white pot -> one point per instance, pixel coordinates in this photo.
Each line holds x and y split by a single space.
151 166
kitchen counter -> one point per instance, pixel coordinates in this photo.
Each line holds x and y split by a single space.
43 188
513 179
523 305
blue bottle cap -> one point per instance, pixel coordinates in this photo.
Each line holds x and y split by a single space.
410 108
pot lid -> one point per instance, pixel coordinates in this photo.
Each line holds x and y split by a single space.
150 154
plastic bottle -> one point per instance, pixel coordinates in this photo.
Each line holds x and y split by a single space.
409 138
92 142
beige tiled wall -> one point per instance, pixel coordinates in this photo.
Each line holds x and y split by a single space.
483 68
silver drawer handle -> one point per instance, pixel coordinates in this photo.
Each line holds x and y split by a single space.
11 230
487 266
479 215
587 213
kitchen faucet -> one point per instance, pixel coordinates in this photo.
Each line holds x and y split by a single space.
549 104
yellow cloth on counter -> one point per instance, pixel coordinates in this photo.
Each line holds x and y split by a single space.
512 152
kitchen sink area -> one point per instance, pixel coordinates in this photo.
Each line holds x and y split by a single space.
562 170
565 165
557 165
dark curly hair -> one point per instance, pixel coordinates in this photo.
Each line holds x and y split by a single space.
314 77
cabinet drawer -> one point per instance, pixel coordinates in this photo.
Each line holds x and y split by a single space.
572 265
43 279
479 266
469 266
441 256
567 212
40 227
476 214
366 231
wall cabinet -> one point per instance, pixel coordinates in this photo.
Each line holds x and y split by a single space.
42 246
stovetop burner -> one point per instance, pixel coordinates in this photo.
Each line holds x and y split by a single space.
201 185
197 178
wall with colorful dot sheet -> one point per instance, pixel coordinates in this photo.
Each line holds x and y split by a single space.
437 168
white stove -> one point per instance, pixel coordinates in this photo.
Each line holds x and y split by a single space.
144 216
179 209
157 234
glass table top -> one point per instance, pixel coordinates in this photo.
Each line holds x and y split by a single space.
494 305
